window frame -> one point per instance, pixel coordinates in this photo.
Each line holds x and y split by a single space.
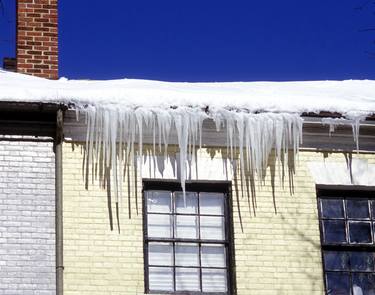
197 186
344 192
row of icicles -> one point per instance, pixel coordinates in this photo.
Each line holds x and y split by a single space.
115 136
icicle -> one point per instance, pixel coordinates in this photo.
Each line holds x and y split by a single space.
240 129
354 123
182 128
355 128
112 133
139 118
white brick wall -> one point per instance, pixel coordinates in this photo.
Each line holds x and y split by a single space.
27 230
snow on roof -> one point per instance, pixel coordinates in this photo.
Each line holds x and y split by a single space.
350 97
259 116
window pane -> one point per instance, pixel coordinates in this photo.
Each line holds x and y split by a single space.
336 260
160 253
360 232
334 231
211 203
159 201
187 254
186 227
338 283
373 209
214 280
363 284
357 208
362 261
159 226
187 279
332 208
191 204
212 228
213 255
160 278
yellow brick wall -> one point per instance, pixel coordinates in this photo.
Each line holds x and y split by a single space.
277 242
98 261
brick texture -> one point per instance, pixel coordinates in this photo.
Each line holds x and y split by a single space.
37 38
277 251
27 230
97 260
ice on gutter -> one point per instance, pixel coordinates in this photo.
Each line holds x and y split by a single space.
353 122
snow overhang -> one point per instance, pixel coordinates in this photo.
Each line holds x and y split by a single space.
350 98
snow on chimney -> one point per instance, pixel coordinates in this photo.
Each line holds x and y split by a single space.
37 44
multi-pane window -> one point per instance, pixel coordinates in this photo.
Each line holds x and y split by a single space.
347 222
187 245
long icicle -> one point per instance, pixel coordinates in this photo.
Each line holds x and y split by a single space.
112 133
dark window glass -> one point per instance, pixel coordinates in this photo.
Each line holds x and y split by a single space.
357 209
347 223
334 260
334 231
363 283
338 283
332 208
360 232
361 261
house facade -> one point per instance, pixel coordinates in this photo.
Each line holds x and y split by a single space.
89 206
273 233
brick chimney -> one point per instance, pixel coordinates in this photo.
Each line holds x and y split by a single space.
37 44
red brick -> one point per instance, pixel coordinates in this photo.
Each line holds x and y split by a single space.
33 15
26 65
41 66
33 71
50 34
42 39
33 33
34 61
34 6
37 42
41 48
24 56
42 29
42 19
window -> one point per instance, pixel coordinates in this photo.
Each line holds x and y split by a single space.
347 223
187 238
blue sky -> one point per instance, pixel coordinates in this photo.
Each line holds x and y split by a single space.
195 40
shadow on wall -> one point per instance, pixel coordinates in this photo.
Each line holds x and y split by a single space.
94 174
314 277
125 183
246 182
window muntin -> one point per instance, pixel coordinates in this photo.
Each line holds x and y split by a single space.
347 222
187 241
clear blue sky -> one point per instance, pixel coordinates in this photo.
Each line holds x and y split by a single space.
214 40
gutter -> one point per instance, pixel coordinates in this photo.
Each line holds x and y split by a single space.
59 202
